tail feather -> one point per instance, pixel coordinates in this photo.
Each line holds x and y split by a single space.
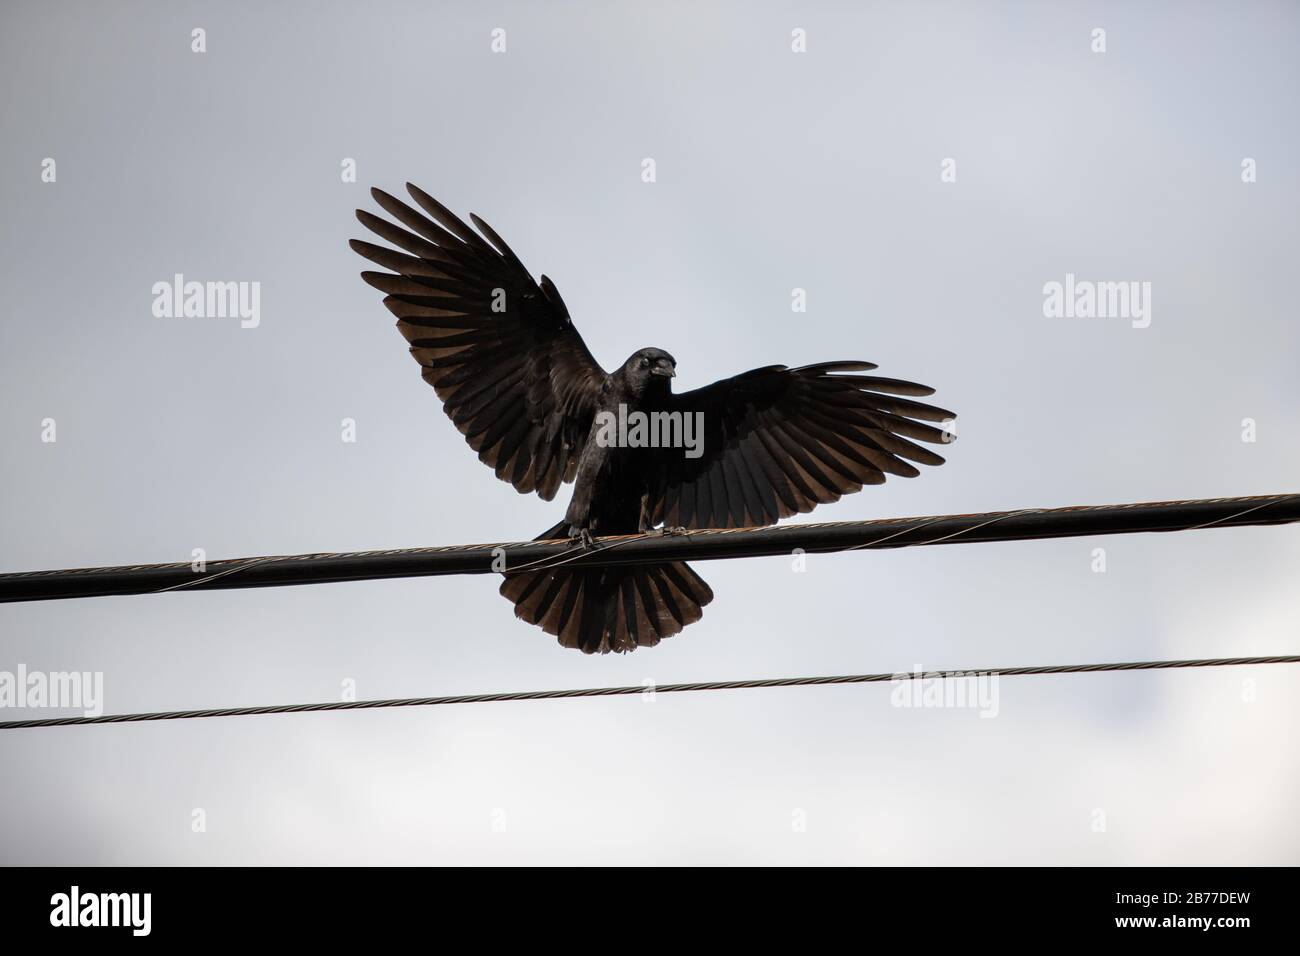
598 610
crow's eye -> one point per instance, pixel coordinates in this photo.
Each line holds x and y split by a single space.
645 363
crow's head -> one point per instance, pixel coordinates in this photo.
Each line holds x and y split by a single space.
649 368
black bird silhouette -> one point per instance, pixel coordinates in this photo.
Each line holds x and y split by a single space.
518 382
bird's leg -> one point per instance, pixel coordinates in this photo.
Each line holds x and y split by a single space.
646 522
582 537
666 530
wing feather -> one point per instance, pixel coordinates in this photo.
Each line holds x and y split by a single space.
499 349
779 441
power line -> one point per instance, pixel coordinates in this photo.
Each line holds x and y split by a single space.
638 689
702 545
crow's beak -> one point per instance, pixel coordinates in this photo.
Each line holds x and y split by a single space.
667 371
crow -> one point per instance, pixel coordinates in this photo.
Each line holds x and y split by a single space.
516 379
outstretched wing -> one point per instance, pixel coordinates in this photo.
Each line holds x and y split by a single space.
499 349
780 441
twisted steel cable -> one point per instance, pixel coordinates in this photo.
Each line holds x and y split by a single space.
696 544
639 689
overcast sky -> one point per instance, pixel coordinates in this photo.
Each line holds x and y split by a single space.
775 170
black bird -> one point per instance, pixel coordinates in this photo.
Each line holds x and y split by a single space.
519 383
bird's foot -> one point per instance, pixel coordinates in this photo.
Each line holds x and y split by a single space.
582 537
676 529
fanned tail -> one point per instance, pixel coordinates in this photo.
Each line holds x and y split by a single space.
598 610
